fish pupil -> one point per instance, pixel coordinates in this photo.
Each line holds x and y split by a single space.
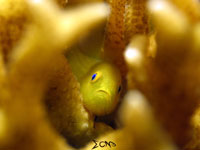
94 76
119 89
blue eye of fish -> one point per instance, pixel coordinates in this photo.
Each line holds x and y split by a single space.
94 76
119 89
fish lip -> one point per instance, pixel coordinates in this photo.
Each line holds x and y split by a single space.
103 91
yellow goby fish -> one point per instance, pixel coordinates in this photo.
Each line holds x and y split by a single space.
100 82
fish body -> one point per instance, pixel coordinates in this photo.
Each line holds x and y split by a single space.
100 82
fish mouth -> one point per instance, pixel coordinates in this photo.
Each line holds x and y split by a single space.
103 91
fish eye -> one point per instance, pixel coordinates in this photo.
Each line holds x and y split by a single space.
119 89
94 76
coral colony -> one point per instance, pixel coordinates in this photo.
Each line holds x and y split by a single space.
155 44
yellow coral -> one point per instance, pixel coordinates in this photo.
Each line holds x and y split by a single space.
40 97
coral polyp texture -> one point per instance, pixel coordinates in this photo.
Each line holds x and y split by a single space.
154 44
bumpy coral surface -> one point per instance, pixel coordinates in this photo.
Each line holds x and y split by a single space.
154 43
